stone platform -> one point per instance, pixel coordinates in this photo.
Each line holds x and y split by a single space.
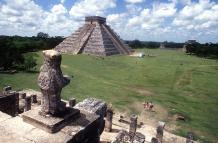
50 124
83 129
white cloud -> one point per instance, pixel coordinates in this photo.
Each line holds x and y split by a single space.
164 9
158 21
91 7
62 1
20 15
203 14
183 2
25 17
133 9
113 18
198 18
59 9
134 1
152 18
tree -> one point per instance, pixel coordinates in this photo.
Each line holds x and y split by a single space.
42 35
29 62
135 44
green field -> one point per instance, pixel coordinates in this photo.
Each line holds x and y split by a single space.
182 84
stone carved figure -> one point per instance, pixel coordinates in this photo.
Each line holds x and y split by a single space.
51 81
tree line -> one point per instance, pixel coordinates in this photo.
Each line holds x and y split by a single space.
202 50
135 44
16 52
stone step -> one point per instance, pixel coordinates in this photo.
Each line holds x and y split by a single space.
112 53
111 50
110 46
108 42
95 53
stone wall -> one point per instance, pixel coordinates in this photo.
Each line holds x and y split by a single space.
9 103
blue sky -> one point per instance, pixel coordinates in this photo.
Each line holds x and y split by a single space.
149 20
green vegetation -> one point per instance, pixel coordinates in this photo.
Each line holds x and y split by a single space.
12 49
182 84
203 50
136 44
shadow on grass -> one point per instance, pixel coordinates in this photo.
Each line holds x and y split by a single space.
31 71
11 73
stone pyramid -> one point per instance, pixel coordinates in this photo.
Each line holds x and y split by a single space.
95 37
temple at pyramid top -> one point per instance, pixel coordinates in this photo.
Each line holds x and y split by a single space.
95 37
97 19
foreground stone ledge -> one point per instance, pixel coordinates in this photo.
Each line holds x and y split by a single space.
14 130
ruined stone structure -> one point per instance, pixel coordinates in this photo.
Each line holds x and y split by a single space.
109 119
154 140
72 102
132 136
27 105
162 45
160 130
53 114
92 105
189 138
95 37
132 125
80 124
34 98
9 101
124 137
51 81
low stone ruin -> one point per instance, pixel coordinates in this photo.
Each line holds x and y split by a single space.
189 138
132 136
9 102
109 119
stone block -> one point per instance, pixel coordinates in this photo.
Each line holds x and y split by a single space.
72 102
50 124
96 106
34 98
27 104
124 137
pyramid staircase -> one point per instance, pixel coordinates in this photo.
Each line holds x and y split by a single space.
94 38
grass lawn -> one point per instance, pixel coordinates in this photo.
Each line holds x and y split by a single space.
180 83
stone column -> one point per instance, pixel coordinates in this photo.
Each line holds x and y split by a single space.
16 103
189 138
159 130
109 118
27 105
154 140
34 98
72 102
23 95
7 89
133 126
